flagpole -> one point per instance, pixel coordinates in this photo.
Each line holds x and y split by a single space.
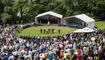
21 11
20 7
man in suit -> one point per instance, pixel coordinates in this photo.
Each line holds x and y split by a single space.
53 31
59 31
41 30
44 31
49 30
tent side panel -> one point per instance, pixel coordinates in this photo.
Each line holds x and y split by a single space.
36 20
91 24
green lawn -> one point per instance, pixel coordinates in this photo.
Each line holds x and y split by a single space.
35 31
100 24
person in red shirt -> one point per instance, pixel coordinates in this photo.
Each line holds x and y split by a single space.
46 31
79 56
61 53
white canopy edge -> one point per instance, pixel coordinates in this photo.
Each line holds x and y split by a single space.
85 30
51 13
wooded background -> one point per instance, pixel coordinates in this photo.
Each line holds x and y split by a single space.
9 9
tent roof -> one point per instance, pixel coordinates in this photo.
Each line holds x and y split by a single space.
83 17
50 13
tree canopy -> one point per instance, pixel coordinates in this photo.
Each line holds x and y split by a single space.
30 8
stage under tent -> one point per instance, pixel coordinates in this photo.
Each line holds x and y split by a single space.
80 21
50 17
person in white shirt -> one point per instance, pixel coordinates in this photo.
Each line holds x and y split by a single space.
25 56
68 51
11 57
104 39
41 57
5 47
74 46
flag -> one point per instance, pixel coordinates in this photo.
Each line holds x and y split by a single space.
19 14
30 0
40 22
58 22
83 23
61 21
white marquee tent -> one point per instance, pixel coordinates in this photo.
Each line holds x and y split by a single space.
49 13
90 23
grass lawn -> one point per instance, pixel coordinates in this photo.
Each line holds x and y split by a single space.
100 24
35 31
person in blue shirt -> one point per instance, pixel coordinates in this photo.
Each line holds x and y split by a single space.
42 50
50 56
34 38
5 57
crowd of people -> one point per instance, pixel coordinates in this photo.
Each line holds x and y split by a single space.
74 46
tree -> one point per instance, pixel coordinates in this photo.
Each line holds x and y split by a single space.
5 17
30 8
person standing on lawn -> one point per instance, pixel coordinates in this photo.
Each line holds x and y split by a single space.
49 30
53 31
44 31
59 31
41 30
